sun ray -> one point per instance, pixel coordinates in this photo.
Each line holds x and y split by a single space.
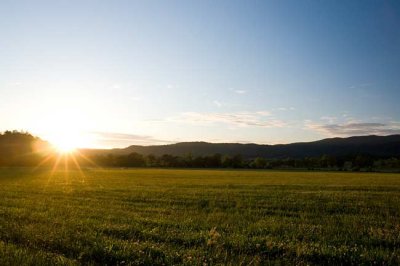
79 168
87 159
56 164
67 181
46 159
54 168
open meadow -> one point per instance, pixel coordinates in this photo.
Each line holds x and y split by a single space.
197 217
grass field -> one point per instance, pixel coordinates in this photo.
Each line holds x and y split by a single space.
196 217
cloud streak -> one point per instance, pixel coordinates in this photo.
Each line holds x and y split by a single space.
355 129
123 140
218 103
239 119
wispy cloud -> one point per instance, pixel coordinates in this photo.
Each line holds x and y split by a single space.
116 86
217 103
355 129
363 85
171 86
285 109
112 139
329 119
240 119
238 91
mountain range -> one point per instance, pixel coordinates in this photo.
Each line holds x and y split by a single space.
382 146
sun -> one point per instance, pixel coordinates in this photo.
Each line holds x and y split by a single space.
66 129
65 143
68 140
65 146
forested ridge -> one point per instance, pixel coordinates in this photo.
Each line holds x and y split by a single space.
366 153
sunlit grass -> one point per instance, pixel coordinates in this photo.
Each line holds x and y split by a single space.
155 216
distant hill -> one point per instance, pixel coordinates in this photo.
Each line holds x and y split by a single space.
382 146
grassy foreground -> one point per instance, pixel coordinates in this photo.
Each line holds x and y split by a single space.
196 217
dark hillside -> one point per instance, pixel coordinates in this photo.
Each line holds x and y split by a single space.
21 148
381 146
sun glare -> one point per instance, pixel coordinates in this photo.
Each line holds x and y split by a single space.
65 143
65 146
68 141
66 129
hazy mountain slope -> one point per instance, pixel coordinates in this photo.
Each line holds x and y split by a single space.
372 145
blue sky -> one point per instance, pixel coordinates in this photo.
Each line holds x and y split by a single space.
114 73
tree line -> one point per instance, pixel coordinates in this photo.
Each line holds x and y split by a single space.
22 149
356 162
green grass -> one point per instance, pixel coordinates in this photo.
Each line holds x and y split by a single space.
196 217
